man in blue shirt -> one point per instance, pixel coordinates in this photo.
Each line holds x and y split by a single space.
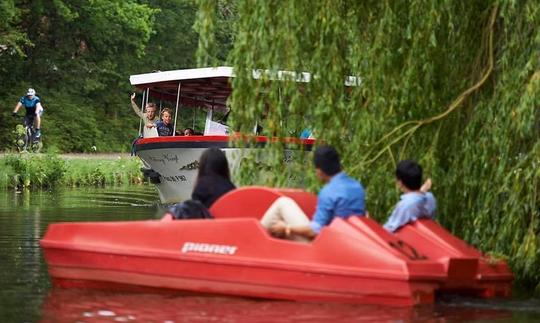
34 110
342 196
416 202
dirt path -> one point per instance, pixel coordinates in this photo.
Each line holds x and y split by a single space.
110 156
97 156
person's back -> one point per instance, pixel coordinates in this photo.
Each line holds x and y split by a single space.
210 188
415 201
342 196
213 179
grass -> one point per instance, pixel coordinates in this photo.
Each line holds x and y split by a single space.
50 170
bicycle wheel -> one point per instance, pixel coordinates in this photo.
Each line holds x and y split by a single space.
36 146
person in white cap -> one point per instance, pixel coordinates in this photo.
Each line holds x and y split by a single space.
33 107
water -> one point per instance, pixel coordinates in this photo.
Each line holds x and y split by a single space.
26 294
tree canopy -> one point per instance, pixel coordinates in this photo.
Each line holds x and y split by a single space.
451 84
78 55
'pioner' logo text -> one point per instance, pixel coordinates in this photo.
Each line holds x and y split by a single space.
208 248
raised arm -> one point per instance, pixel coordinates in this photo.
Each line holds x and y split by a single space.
136 107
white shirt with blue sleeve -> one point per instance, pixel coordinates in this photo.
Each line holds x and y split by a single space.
411 207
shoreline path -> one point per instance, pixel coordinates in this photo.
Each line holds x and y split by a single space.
110 156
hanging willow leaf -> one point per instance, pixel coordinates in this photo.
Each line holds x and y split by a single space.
453 84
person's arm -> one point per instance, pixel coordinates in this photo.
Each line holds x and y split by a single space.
399 217
136 107
17 107
426 186
282 229
323 215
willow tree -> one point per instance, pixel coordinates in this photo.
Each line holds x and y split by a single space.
452 84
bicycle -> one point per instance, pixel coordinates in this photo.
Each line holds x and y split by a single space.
26 140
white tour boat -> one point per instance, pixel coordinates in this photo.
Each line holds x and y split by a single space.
171 163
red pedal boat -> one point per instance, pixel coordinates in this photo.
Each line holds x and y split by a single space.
349 261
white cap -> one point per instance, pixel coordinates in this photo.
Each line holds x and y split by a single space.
31 91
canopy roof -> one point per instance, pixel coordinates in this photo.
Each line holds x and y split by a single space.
208 86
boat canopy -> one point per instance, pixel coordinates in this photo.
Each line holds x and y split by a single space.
210 86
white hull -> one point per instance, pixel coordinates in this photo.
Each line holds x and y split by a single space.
174 161
178 168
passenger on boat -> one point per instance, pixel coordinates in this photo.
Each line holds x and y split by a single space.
307 133
164 126
149 117
342 196
416 202
189 132
213 179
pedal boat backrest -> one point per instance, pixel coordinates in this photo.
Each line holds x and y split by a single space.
253 201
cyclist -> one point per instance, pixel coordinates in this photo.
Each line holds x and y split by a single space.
34 110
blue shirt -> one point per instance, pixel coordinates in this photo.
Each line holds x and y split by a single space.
305 133
163 129
412 206
30 104
342 196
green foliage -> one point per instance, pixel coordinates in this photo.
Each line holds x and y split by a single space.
45 171
27 170
78 55
81 172
452 84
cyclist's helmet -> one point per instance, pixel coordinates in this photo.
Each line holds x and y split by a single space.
31 92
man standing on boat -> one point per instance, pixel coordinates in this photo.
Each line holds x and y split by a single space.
149 117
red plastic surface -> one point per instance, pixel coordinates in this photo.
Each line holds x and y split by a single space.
340 265
467 269
349 261
217 138
253 201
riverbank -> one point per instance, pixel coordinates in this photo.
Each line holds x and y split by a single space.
47 170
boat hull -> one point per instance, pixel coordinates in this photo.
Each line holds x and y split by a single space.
174 161
203 256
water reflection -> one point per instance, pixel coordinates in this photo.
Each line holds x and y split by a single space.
102 306
26 294
24 217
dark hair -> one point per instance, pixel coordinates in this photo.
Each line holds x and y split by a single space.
190 209
326 158
409 173
213 162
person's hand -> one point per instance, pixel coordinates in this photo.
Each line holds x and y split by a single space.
150 125
367 215
14 114
426 186
280 229
133 97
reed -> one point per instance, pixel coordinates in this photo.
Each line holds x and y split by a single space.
45 171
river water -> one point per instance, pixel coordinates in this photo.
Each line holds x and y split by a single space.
26 294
